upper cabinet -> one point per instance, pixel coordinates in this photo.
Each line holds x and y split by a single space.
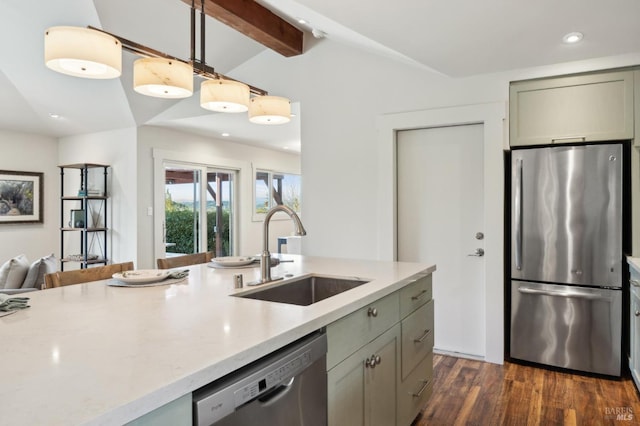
582 108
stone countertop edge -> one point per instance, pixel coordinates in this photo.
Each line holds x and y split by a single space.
131 387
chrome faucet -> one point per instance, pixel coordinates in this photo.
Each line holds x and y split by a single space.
265 257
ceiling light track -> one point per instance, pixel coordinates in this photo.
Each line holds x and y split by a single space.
94 53
200 69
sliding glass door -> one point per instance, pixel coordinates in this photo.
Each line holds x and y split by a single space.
191 225
220 202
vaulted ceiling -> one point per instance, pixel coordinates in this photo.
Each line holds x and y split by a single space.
457 38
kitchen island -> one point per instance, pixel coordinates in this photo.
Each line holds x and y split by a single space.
97 354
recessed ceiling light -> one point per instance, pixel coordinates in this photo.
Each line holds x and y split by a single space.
302 21
225 134
573 37
55 116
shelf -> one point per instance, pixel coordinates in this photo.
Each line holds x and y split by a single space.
83 229
86 197
82 166
89 262
90 210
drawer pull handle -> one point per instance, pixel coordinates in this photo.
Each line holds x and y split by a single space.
373 361
635 283
637 313
569 138
372 312
425 383
419 295
421 338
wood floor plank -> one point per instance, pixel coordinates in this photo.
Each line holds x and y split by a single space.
468 392
467 406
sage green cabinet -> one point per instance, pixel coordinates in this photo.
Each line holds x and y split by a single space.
579 108
174 413
362 388
380 359
634 323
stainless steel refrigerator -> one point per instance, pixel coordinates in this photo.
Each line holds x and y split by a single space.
566 256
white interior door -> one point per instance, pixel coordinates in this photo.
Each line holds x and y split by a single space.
440 216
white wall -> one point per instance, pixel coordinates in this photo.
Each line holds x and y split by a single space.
343 92
31 153
117 149
347 160
195 149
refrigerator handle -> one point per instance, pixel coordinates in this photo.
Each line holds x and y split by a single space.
573 294
518 214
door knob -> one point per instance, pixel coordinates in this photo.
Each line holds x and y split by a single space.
478 253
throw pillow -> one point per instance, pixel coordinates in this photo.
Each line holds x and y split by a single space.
37 271
13 271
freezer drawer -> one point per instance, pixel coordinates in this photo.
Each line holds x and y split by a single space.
567 326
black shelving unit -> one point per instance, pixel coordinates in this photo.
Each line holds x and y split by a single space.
91 223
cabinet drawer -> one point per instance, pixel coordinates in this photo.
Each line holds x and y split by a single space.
350 333
415 295
417 337
410 398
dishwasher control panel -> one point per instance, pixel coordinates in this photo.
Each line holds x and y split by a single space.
221 398
272 378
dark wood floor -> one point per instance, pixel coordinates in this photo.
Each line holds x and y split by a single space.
467 392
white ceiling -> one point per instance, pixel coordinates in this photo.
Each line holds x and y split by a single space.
454 37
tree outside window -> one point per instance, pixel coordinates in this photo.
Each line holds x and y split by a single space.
275 188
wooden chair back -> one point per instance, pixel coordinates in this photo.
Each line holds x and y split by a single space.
186 260
62 278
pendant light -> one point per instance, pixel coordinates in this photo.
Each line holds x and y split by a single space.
94 53
224 95
269 110
82 52
163 78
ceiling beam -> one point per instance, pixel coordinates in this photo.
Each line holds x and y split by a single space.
257 22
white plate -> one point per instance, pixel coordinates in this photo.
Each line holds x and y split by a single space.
142 276
232 261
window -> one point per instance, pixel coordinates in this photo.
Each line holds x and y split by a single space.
275 188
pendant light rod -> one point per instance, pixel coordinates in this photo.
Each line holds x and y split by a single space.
202 37
203 70
193 31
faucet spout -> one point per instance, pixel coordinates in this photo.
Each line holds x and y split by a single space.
265 258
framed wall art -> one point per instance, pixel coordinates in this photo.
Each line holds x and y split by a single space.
21 197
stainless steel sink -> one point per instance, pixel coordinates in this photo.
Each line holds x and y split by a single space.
304 291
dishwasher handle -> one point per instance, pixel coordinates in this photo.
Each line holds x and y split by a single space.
276 394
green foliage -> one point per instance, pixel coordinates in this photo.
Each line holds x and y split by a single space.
180 223
179 230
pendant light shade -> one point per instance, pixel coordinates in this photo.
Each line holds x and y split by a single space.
163 78
224 95
269 110
82 52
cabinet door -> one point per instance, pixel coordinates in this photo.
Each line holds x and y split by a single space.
583 108
634 331
361 394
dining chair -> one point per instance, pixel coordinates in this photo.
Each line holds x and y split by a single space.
62 278
185 260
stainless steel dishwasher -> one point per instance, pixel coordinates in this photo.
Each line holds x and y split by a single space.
287 387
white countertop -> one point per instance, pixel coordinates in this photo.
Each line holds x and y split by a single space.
97 354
